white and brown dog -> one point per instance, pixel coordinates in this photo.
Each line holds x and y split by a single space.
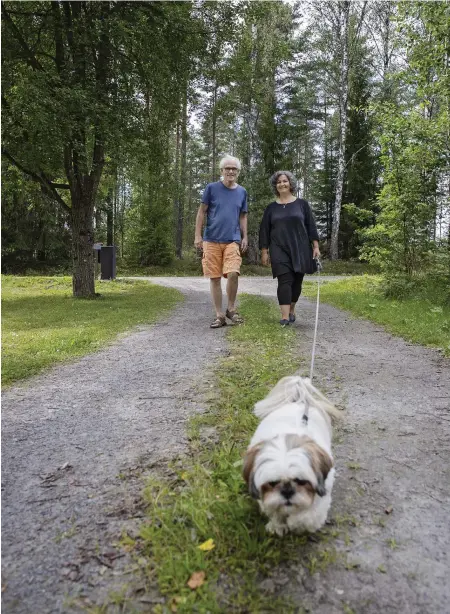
289 466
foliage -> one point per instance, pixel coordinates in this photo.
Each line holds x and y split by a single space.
43 324
414 147
259 80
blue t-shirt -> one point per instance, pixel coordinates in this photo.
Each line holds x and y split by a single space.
225 205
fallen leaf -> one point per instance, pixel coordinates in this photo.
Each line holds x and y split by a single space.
197 579
389 509
207 545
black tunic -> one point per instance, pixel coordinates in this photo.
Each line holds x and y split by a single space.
287 231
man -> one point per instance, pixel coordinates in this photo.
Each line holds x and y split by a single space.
225 205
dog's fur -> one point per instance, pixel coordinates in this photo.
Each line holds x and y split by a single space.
289 466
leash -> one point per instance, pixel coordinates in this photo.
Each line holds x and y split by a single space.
311 370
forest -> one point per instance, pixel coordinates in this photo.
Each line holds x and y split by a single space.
116 114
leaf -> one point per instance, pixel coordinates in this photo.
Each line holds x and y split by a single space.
207 545
196 580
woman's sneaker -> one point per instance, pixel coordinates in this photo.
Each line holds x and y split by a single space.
284 322
292 317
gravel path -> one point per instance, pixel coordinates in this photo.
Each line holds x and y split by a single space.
78 440
76 444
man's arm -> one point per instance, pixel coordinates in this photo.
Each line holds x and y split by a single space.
199 220
243 225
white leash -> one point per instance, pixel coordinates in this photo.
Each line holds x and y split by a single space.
311 370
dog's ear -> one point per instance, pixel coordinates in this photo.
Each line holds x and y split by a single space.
321 463
320 488
248 474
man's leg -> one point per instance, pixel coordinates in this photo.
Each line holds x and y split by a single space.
232 288
232 261
212 268
216 294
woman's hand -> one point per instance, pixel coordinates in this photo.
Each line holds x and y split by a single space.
316 252
265 257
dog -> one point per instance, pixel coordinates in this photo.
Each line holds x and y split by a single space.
288 465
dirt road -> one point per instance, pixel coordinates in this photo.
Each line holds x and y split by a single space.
78 440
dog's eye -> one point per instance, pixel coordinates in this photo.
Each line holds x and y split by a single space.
273 484
300 482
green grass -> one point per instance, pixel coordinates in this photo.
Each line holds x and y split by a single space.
348 267
207 499
191 266
183 268
423 318
42 324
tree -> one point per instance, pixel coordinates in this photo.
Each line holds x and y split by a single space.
72 77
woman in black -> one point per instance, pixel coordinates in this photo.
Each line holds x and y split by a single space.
287 231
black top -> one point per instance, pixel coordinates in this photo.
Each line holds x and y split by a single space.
287 231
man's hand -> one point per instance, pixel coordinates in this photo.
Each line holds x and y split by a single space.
198 242
265 258
244 245
316 252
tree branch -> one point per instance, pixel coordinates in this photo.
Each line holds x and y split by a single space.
47 186
31 59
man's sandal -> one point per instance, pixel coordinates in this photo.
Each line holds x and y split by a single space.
218 323
234 317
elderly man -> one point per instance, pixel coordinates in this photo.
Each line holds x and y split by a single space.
225 205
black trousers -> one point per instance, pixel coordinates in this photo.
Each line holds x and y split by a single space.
289 287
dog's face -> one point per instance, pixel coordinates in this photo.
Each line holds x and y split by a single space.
286 473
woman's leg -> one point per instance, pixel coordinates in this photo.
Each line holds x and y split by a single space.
296 290
284 293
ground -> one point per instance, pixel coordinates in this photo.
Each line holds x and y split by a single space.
78 440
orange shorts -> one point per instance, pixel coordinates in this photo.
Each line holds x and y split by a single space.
220 259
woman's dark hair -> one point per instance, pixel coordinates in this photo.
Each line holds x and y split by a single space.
292 181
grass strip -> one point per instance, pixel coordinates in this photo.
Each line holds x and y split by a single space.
42 324
203 520
420 319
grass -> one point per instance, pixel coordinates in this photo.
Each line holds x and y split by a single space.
203 519
188 267
42 324
422 318
191 266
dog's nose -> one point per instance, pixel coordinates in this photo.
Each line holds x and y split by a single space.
287 491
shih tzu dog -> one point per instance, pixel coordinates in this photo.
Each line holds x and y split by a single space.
289 466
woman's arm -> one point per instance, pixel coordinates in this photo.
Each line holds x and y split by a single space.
264 237
311 228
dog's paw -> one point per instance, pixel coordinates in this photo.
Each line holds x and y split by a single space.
276 529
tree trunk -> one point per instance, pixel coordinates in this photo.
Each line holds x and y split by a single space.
182 183
343 96
214 175
176 200
109 220
83 281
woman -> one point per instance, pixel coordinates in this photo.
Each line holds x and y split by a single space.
287 231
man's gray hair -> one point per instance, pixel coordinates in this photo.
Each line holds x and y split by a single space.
292 181
230 159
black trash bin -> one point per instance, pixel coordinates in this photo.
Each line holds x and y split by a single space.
108 262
